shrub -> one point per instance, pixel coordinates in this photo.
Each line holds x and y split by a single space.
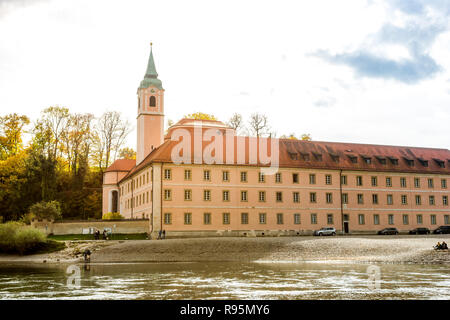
50 210
113 216
16 237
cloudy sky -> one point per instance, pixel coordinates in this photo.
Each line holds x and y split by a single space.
353 71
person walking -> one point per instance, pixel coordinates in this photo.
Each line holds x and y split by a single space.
164 234
159 235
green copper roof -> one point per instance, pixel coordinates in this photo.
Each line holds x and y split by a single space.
151 76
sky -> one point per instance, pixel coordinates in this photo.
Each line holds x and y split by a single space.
357 71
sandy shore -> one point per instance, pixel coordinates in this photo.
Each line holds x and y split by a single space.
380 249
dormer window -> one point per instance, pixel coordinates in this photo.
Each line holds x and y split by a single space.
393 160
367 159
317 156
305 156
353 159
334 156
381 160
293 155
423 162
409 161
152 101
439 162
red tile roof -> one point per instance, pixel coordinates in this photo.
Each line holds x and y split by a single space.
122 165
330 155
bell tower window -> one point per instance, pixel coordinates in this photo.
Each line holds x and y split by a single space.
152 101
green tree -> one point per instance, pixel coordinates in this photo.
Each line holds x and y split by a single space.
50 210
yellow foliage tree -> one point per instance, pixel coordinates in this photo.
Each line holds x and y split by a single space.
200 116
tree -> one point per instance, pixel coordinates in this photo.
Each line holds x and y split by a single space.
259 125
306 137
200 116
127 153
11 131
290 136
50 210
110 134
55 119
235 122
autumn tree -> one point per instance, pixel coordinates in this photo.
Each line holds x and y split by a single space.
11 132
55 119
200 116
127 153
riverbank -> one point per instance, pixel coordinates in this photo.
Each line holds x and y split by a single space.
373 249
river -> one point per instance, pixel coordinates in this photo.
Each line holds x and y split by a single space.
217 280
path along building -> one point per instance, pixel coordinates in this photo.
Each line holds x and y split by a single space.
352 187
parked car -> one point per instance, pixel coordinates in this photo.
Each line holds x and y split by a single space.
388 231
326 231
420 231
442 229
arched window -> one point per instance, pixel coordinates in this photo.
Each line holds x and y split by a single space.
152 101
115 201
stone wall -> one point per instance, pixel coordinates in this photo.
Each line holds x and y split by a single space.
76 227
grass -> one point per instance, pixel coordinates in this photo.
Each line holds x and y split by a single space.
17 238
116 236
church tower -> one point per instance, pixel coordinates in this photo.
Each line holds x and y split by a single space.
150 118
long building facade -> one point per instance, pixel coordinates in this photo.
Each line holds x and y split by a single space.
199 178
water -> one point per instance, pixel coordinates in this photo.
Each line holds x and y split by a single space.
224 281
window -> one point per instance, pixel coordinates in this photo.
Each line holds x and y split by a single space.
374 181
329 197
244 196
418 200
297 218
207 218
361 219
419 219
345 198
278 177
376 219
226 218
313 218
167 218
390 199
295 178
360 198
405 219
167 194
225 176
206 195
328 179
443 183
417 182
433 219
296 197
403 182
187 175
312 179
167 174
375 199
187 194
261 177
404 199
431 200
344 180
244 218
430 183
262 196
243 176
262 218
206 175
446 219
445 200
330 218
279 218
312 197
279 196
225 195
152 101
188 218
391 219
388 182
359 181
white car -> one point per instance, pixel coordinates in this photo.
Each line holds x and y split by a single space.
326 231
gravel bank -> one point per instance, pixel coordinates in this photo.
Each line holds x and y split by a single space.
395 249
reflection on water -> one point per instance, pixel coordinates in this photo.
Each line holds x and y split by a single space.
224 281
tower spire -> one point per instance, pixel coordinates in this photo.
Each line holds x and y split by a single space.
151 76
